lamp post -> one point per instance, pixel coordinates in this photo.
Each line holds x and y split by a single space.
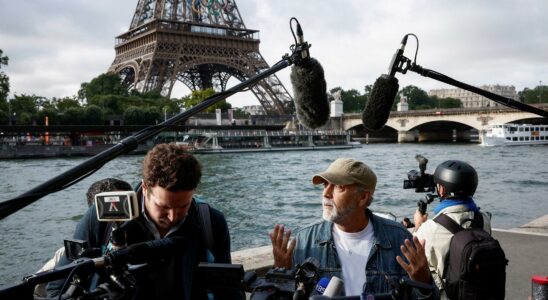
9 112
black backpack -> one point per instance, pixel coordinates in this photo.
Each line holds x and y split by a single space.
475 267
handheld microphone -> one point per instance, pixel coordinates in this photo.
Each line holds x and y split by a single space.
309 86
335 287
320 287
384 92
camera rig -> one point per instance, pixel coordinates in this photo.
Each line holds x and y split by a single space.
422 182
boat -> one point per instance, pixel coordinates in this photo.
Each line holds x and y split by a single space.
238 141
514 134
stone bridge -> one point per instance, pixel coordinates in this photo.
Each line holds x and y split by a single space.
458 124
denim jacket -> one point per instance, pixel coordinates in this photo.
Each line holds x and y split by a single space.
317 241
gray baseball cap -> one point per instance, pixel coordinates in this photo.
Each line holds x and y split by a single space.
345 171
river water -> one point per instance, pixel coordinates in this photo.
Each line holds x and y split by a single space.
257 190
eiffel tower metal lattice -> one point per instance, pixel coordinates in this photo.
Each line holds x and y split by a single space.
201 43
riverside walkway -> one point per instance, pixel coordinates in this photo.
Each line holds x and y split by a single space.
526 248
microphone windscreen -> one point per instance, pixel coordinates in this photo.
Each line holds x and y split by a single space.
380 102
310 93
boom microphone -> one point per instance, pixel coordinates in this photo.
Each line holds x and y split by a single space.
309 87
384 93
147 251
310 93
377 109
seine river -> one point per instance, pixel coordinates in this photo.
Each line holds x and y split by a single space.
257 190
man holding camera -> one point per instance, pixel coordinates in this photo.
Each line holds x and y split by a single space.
456 183
168 209
352 243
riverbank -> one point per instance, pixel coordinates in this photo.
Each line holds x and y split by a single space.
55 151
525 248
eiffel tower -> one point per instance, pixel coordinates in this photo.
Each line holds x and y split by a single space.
197 42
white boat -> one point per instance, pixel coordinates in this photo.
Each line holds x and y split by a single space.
235 141
515 134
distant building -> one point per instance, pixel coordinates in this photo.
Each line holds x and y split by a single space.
470 99
254 110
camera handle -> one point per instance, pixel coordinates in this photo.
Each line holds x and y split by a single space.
423 203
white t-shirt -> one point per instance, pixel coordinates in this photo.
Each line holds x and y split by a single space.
353 250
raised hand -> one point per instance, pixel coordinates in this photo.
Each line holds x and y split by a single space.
417 268
282 246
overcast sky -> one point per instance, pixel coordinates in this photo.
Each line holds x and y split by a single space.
55 45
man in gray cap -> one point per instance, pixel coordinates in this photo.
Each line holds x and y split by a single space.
352 243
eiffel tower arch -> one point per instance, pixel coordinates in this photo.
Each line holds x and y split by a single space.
201 43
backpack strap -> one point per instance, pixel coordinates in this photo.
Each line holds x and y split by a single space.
478 220
205 221
448 223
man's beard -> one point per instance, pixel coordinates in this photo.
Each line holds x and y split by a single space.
335 214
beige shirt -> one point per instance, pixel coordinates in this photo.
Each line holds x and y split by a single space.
438 239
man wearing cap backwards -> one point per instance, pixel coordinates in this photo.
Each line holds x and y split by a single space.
352 243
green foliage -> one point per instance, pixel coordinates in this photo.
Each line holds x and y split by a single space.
4 79
65 104
417 98
93 115
24 104
537 95
353 101
24 118
72 116
51 113
104 84
3 117
450 103
151 116
198 96
133 115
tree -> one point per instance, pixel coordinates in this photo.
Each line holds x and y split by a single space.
450 103
72 116
353 101
4 79
537 95
151 116
417 98
104 84
198 96
66 103
3 117
51 113
133 115
24 104
93 115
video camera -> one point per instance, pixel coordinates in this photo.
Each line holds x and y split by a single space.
281 283
118 206
422 182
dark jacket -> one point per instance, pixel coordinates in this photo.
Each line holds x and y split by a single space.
167 278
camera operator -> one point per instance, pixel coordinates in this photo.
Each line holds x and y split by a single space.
168 209
352 243
456 182
100 186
